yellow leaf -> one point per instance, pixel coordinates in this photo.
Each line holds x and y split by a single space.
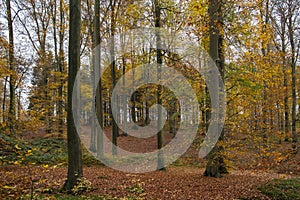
3 124
17 162
17 147
8 187
28 153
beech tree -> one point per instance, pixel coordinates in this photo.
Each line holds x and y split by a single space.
59 30
12 76
159 61
74 146
216 165
97 72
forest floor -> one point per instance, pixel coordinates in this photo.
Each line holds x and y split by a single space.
35 168
34 182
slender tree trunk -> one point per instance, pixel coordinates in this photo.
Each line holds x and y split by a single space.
53 12
4 100
294 103
293 65
285 84
97 70
147 111
61 70
12 76
133 100
159 57
124 97
147 104
92 30
19 104
74 146
265 51
286 108
115 129
58 49
172 118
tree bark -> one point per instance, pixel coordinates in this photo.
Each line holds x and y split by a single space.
59 58
12 76
159 57
74 146
92 31
4 116
61 69
97 70
115 129
216 166
293 66
124 97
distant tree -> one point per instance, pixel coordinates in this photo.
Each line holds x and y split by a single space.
12 76
59 30
293 26
35 19
115 128
159 60
285 21
4 74
97 72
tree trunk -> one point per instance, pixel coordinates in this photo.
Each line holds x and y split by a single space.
216 166
74 146
61 70
293 65
124 98
285 84
4 116
115 129
160 134
53 13
172 117
59 58
97 70
12 76
133 101
92 31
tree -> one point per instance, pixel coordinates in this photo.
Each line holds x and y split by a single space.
36 23
159 57
285 22
216 166
97 72
115 128
74 146
12 76
58 40
93 29
293 28
4 73
279 22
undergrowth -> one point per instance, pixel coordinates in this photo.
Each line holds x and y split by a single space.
285 189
